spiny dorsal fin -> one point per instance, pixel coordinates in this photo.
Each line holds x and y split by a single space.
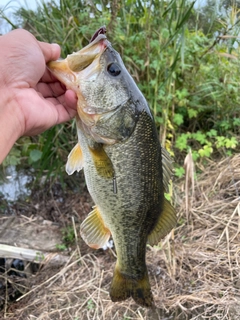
166 222
93 230
167 166
102 162
75 160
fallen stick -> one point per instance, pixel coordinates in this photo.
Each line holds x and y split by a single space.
35 256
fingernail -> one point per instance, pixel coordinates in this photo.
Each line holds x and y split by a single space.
57 49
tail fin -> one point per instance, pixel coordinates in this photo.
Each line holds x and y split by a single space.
123 287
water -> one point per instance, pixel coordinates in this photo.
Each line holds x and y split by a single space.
14 184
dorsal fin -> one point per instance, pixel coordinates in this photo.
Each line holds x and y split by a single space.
167 166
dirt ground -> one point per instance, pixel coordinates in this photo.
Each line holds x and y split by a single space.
194 271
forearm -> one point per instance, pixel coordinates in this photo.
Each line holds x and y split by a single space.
9 126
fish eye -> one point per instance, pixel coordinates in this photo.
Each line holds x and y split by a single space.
113 69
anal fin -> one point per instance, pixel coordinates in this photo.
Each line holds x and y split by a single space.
75 160
166 222
93 230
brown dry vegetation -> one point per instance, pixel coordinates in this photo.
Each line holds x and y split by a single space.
194 271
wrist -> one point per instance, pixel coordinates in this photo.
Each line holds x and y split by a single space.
10 126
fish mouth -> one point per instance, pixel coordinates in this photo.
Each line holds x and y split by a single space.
70 71
80 66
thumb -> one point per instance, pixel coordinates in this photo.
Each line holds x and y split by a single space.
50 51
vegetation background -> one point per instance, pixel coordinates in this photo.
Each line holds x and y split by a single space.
183 54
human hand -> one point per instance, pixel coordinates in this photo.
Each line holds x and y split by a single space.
34 99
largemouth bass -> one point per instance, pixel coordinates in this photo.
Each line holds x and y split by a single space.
126 170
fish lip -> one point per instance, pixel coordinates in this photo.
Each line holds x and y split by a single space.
96 40
88 54
101 30
76 62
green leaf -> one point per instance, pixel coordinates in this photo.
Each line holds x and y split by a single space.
181 94
35 155
181 142
195 155
179 172
200 137
178 119
167 196
164 33
206 151
236 122
192 113
13 158
231 143
225 124
212 133
220 141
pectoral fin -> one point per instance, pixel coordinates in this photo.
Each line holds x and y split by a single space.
93 230
75 160
166 222
102 162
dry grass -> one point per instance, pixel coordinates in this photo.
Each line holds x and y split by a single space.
194 271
